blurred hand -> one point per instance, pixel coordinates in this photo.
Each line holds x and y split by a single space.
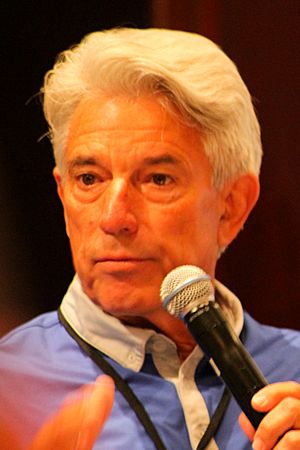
280 428
8 438
78 422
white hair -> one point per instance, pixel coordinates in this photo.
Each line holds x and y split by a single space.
189 69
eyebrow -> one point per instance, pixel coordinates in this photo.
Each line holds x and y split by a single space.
79 162
162 159
151 161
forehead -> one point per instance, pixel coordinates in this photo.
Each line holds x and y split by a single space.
127 133
113 115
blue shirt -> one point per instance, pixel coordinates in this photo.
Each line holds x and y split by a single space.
41 364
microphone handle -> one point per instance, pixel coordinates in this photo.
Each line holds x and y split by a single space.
218 341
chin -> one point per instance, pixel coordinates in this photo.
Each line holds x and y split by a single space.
121 302
127 308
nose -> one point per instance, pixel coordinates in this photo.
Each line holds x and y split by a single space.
116 215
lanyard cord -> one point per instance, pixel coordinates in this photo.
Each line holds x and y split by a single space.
132 399
215 420
121 384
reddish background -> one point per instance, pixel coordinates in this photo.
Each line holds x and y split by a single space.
262 37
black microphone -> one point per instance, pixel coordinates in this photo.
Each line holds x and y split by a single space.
187 292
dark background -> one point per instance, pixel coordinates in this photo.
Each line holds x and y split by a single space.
262 265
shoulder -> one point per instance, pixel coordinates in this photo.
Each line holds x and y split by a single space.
260 333
40 339
39 365
40 325
274 349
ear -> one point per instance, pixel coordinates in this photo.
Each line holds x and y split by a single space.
239 198
58 180
60 190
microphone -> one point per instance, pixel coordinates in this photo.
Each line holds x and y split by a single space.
187 292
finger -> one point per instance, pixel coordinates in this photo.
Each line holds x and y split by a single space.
79 420
291 441
282 419
65 425
8 438
247 427
271 395
96 409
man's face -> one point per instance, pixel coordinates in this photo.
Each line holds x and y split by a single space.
138 201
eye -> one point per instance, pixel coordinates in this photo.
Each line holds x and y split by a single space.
87 179
161 179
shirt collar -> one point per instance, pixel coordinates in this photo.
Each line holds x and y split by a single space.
127 345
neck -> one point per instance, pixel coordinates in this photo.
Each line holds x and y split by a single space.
170 326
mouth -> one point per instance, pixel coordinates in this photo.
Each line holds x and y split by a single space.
123 264
121 258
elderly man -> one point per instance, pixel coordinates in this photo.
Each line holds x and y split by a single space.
157 152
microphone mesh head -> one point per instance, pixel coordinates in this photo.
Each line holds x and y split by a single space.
185 287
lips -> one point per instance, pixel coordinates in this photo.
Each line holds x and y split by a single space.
122 258
121 263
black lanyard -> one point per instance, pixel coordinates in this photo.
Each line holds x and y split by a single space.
132 399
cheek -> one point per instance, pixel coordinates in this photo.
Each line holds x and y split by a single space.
188 235
171 235
78 218
78 227
191 219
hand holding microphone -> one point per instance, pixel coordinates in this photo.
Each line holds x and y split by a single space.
187 293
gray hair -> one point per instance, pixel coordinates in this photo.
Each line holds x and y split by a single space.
189 69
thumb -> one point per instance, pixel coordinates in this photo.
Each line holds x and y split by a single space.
79 420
